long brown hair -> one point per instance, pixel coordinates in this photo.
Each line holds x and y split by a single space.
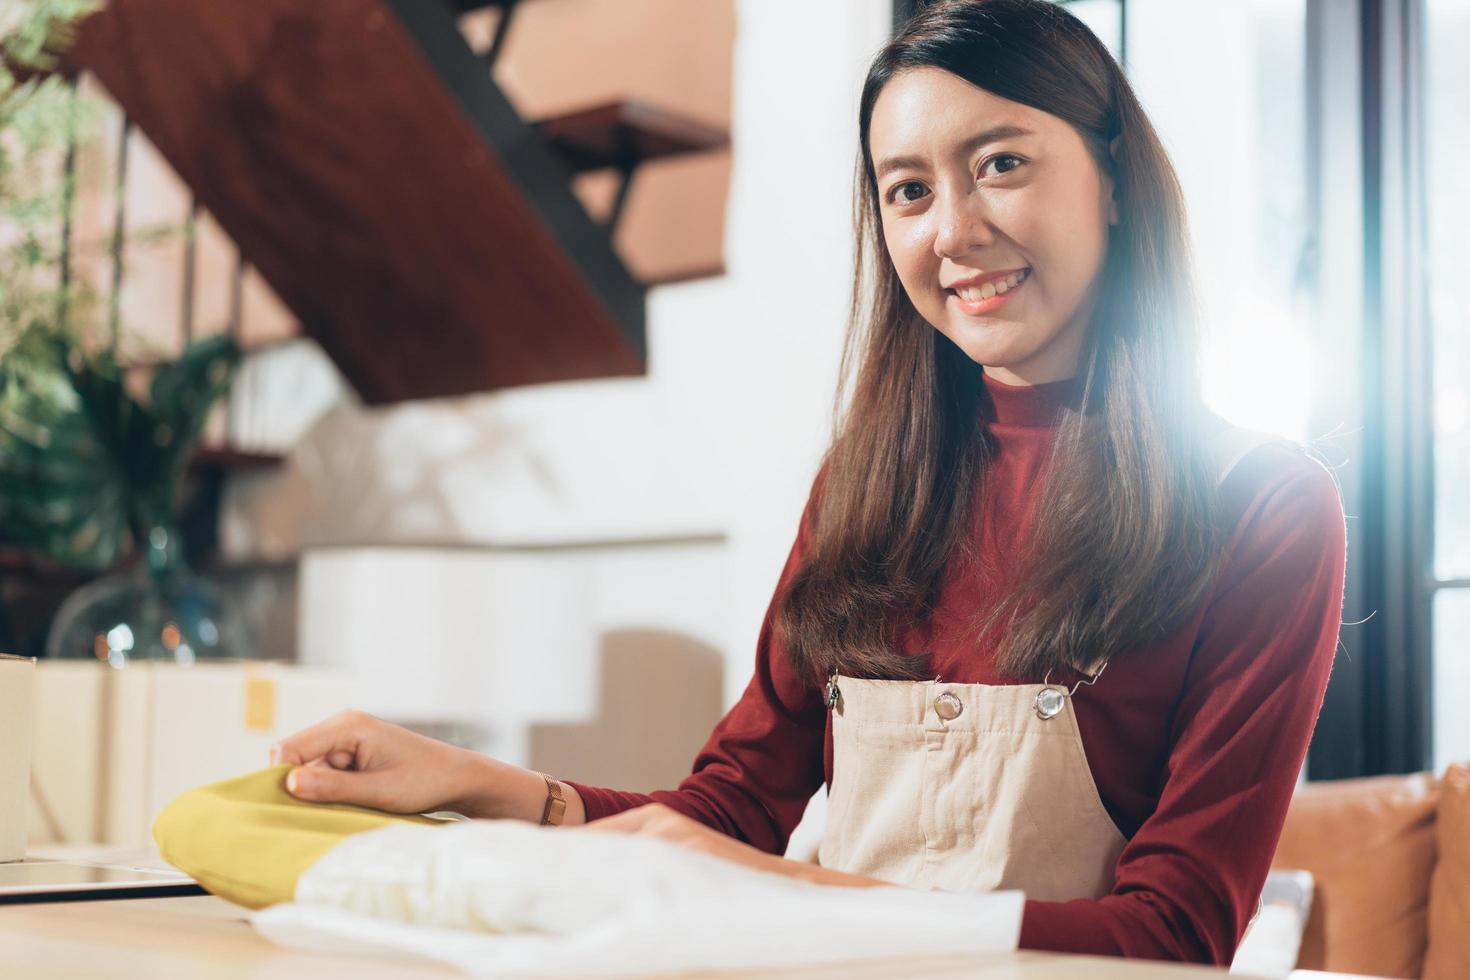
1124 540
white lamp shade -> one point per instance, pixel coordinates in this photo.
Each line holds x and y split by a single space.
453 635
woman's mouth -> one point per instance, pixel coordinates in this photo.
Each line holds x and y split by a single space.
979 300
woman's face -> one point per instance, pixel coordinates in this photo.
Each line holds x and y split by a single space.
1028 209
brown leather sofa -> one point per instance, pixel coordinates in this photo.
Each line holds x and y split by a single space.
1390 856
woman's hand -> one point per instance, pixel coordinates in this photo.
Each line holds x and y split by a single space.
353 757
657 820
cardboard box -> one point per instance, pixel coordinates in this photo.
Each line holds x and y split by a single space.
113 747
17 704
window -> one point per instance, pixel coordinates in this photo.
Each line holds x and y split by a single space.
1447 144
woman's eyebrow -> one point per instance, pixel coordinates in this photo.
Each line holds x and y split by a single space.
970 145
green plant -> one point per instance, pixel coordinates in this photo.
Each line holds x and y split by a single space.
80 483
85 468
40 118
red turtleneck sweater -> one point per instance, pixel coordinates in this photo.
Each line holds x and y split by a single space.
1195 743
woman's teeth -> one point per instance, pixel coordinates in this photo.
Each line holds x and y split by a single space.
976 293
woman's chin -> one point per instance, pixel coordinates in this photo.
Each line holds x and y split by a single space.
991 342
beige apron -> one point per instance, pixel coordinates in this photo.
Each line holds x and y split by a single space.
972 787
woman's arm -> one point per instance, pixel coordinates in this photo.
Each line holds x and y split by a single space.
1189 880
657 820
752 780
353 757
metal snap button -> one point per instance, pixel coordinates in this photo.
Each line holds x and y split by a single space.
1049 702
948 706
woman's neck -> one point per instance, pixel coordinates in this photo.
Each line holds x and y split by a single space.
1030 405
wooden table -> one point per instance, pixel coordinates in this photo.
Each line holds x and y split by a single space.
204 936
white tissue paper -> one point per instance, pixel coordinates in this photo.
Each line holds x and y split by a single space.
505 898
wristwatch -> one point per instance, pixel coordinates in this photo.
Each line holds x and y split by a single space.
556 803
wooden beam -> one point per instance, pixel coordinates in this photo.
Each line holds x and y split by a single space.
364 161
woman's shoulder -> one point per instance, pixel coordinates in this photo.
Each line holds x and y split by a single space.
1283 554
1229 444
1275 492
1255 460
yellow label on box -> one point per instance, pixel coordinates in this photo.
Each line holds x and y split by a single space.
260 704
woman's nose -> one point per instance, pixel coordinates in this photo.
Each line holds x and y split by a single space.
963 225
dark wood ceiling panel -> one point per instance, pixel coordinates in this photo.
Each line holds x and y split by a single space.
366 164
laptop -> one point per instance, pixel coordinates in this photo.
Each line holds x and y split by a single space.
40 880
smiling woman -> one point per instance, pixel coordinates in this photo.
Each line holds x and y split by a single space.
1001 138
998 237
1024 489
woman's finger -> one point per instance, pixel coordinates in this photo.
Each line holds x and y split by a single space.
327 785
339 733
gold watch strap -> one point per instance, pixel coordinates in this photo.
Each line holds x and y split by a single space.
556 803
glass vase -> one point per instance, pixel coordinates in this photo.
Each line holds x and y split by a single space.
158 611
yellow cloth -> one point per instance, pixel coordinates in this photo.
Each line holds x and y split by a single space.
247 839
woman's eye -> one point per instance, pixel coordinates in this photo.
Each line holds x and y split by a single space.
910 191
898 196
1003 156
